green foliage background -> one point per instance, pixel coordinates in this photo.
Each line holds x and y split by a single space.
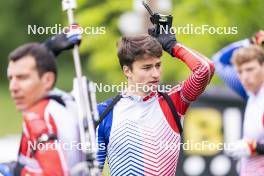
98 52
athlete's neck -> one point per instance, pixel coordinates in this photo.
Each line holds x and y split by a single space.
132 89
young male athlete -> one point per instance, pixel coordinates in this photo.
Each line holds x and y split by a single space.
241 66
137 134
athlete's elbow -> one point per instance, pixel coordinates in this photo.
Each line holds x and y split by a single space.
211 67
208 70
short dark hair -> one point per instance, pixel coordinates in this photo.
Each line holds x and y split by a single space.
45 60
246 54
131 48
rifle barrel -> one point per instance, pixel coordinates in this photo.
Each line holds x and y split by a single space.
147 7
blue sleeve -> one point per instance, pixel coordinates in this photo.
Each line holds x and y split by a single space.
226 71
101 142
103 133
5 170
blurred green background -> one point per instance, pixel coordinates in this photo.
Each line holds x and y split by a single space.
98 51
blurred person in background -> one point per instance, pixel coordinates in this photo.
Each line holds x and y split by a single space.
241 66
50 119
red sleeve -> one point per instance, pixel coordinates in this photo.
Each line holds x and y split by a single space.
202 72
186 92
48 154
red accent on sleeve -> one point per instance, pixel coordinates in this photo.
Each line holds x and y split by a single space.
252 144
202 72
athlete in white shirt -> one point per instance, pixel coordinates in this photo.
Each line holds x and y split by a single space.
243 71
140 135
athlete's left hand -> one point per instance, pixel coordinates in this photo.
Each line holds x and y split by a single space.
64 41
258 38
241 148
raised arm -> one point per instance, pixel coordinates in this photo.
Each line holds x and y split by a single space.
202 72
202 68
225 69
